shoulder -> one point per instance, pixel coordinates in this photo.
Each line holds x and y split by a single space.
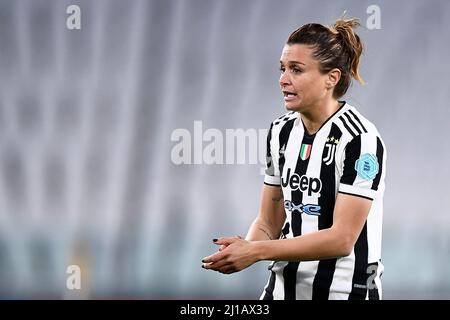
356 126
360 137
281 121
364 122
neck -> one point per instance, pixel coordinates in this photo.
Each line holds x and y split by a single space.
315 117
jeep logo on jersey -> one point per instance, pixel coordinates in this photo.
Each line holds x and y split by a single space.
303 183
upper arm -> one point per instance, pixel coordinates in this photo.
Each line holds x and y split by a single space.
364 166
349 217
271 211
362 181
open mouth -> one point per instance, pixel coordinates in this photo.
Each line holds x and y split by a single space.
289 94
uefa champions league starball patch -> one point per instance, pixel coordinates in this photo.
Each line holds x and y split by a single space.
367 166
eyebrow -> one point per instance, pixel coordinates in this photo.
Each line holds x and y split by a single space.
294 62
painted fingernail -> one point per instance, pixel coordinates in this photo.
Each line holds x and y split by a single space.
203 266
203 260
214 240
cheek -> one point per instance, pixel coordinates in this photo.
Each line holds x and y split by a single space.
301 84
305 86
314 86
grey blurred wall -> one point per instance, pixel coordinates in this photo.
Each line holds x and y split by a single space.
87 119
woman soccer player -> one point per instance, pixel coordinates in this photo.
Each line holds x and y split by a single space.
320 217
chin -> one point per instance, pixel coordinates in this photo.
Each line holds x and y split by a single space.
292 107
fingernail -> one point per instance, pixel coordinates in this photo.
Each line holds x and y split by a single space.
203 260
214 240
203 266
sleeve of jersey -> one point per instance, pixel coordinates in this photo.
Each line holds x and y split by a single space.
272 176
363 166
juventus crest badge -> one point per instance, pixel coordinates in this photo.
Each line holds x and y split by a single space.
330 150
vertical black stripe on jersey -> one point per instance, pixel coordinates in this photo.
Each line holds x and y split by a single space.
269 138
283 139
268 295
270 170
360 275
352 123
346 126
380 151
357 119
325 270
290 270
352 153
373 289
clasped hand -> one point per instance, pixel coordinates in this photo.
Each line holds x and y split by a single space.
234 254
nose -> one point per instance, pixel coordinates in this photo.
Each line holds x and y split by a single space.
284 79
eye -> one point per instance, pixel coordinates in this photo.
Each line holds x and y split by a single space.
282 69
297 70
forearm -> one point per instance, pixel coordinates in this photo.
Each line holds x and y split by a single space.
260 231
271 216
323 244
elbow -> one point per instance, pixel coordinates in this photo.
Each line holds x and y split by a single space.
343 241
345 251
345 246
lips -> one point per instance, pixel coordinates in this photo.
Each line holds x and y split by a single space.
289 95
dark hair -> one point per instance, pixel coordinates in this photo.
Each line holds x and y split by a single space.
337 46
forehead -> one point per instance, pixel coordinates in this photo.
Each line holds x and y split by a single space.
297 52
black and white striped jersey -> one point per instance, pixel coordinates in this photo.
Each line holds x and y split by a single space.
345 155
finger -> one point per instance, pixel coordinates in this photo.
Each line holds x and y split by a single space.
215 266
214 257
227 269
226 240
222 246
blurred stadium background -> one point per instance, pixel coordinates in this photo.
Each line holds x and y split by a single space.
86 118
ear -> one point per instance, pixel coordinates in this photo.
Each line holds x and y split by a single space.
333 77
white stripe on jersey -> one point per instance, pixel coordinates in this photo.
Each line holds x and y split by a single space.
342 280
374 222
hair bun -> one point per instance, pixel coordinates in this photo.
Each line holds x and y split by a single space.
351 41
344 25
